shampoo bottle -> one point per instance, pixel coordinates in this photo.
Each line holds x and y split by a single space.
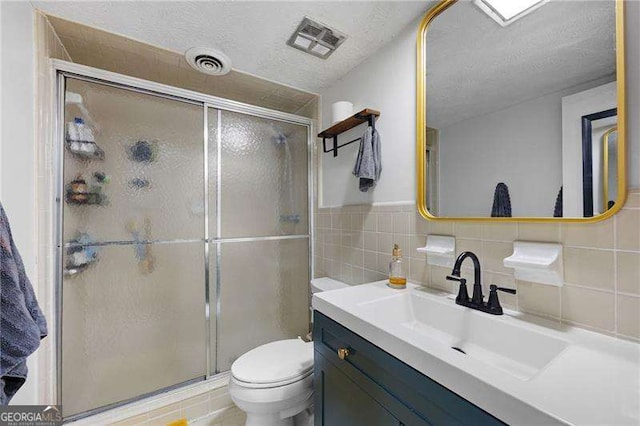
397 277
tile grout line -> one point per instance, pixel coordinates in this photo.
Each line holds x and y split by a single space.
600 290
589 327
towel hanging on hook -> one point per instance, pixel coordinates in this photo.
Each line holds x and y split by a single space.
369 162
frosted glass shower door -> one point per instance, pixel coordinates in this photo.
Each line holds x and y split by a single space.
261 237
184 240
133 287
264 295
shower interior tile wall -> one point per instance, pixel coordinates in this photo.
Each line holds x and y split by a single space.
601 260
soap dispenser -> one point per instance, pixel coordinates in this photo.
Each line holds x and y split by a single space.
397 277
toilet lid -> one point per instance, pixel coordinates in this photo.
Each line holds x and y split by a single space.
274 362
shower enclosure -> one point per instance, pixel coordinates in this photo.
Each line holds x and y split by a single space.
183 235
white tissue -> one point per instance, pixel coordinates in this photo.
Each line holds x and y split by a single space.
341 110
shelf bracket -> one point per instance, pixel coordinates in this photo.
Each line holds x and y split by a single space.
335 146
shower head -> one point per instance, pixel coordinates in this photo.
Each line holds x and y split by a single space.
279 138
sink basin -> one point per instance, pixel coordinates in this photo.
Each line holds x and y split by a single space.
518 351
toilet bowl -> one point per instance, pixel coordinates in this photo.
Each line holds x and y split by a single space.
273 383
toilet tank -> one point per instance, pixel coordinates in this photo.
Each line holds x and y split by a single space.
326 284
323 284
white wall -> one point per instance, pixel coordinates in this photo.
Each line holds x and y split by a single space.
386 81
17 147
477 154
520 146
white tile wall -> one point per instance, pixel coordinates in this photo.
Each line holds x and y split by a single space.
602 260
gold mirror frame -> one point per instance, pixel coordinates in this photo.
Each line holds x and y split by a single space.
421 127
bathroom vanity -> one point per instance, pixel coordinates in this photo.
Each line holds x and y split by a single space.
414 357
357 383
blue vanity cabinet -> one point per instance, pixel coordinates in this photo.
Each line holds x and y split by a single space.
366 386
343 401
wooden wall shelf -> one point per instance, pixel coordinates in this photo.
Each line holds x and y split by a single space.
364 116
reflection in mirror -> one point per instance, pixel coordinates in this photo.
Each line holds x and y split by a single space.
517 112
596 129
432 172
609 173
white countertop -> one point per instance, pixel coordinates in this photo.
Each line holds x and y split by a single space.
595 380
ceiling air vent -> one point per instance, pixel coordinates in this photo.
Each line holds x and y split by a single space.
316 39
208 61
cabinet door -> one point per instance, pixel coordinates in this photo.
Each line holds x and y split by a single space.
339 401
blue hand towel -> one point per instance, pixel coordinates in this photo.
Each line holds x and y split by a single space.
501 201
22 323
368 163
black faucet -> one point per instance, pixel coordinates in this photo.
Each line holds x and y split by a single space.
476 302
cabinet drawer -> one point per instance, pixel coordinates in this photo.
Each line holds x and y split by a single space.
427 399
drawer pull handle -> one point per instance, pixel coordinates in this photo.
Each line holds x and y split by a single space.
343 353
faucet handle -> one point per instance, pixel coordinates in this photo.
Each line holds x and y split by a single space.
461 280
494 287
463 295
494 303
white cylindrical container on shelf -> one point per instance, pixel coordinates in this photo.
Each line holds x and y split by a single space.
341 110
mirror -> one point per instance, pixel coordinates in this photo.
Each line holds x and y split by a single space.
521 110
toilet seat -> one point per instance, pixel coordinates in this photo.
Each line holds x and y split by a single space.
274 364
272 385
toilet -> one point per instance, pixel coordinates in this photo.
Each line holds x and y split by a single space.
273 383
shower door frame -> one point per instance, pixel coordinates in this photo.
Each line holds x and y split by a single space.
60 71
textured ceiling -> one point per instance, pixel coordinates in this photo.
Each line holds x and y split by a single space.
252 33
475 66
100 49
